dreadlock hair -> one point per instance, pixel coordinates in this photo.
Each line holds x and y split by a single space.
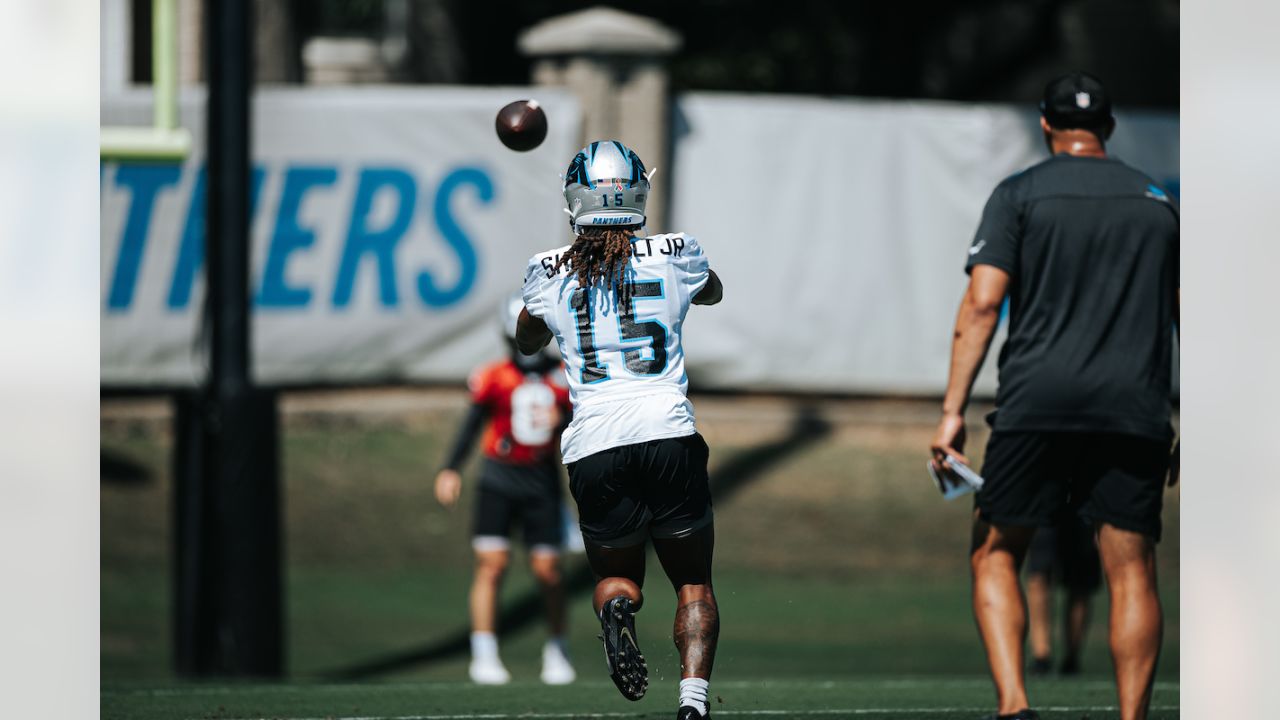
602 255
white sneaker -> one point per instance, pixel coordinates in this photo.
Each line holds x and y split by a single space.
488 671
556 669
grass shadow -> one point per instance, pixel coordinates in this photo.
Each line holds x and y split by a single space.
807 429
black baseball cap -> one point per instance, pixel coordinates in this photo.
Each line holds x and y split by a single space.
1076 100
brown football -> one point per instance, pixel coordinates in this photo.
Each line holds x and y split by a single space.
521 125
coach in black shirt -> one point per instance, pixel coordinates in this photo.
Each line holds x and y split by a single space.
1086 249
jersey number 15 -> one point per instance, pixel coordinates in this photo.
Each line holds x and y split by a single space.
655 332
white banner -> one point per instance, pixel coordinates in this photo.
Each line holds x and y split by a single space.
390 222
388 225
840 229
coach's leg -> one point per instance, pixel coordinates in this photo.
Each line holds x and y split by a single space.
687 563
1129 562
999 607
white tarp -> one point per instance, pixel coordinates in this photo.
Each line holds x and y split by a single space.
390 222
388 225
840 229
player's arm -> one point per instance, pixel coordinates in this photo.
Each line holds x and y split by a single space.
975 327
711 293
449 479
532 334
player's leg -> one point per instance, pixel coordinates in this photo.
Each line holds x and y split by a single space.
544 536
1082 577
684 539
1040 562
1075 628
492 555
1024 489
1125 504
614 522
617 598
687 563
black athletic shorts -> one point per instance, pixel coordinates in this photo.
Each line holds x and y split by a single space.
654 489
1033 478
533 500
1067 554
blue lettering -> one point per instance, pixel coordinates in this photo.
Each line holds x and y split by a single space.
381 243
144 182
454 237
191 251
290 236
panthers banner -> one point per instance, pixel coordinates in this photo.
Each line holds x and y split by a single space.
388 225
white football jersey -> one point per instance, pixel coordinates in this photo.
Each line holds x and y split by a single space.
625 370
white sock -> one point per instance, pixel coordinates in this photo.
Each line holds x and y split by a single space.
484 645
558 642
693 693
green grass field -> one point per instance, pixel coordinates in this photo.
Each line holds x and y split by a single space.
841 575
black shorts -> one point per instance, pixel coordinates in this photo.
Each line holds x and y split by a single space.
1034 478
534 504
655 489
1067 554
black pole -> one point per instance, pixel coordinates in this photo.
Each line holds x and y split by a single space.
228 582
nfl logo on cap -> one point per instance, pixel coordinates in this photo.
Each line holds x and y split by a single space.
1083 100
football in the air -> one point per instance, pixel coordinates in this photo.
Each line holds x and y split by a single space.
521 125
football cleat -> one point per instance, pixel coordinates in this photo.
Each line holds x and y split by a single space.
622 655
556 668
488 671
1023 714
688 713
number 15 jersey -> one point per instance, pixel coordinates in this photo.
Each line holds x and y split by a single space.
625 369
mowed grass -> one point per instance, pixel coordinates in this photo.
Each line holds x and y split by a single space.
842 576
919 698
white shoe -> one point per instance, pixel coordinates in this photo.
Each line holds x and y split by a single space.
488 671
556 669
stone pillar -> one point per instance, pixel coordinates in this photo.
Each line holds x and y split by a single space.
190 42
615 63
114 45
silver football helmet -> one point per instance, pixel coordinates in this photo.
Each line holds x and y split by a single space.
606 184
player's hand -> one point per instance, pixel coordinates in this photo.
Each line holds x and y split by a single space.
1175 462
948 440
448 487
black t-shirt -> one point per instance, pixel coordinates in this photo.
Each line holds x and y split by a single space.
1091 248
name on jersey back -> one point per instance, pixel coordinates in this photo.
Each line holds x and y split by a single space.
641 248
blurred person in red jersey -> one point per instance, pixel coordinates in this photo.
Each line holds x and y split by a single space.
521 403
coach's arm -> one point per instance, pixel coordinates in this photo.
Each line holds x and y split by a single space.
975 326
532 334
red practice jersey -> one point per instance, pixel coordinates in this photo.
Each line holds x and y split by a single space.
525 411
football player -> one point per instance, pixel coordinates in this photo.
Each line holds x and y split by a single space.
615 301
521 403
